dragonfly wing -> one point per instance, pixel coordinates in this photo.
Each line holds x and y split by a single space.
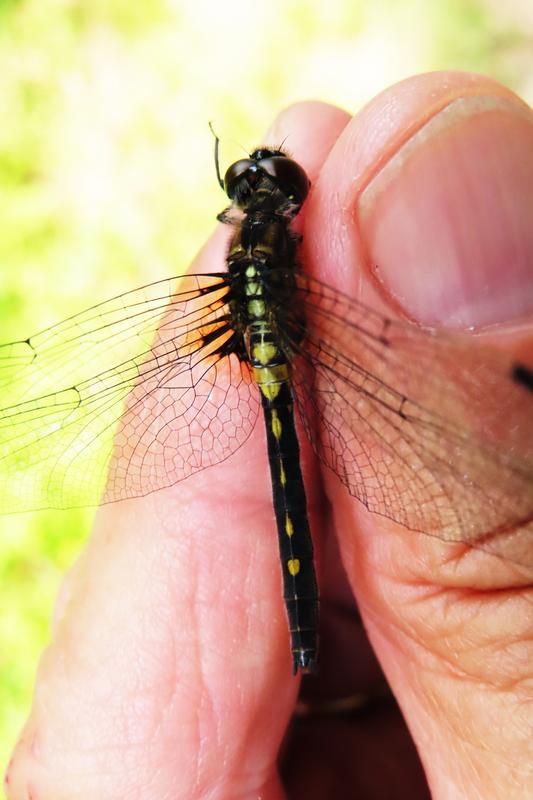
426 428
123 399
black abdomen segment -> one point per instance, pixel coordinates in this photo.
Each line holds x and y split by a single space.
295 544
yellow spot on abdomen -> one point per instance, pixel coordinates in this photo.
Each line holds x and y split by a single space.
269 379
270 390
276 424
265 352
289 527
282 476
293 565
257 308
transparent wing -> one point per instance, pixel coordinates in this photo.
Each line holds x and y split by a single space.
125 398
426 428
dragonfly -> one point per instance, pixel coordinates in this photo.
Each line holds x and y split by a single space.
431 429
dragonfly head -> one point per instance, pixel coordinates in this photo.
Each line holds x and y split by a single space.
269 168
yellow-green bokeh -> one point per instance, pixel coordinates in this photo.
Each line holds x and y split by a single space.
107 178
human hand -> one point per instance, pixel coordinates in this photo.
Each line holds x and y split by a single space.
169 672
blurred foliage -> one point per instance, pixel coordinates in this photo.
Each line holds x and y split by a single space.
107 177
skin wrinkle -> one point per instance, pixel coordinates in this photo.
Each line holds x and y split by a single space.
165 621
201 688
176 686
202 756
420 639
216 720
459 724
250 579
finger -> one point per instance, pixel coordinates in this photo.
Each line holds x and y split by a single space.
169 671
423 206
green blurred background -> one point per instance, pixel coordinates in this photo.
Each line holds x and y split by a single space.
107 178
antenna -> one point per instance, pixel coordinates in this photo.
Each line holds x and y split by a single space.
217 162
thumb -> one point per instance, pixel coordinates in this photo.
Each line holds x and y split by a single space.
434 186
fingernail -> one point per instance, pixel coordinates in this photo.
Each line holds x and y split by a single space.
447 222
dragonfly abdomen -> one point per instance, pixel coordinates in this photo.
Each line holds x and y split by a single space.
295 544
271 371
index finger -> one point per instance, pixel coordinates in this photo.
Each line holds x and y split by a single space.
169 667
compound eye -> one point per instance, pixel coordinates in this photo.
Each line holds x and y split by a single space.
289 176
235 174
